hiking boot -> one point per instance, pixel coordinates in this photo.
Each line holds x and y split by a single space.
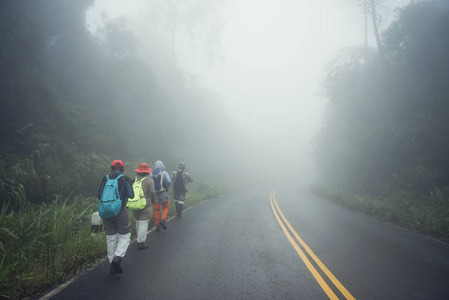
158 228
112 270
115 265
141 246
163 224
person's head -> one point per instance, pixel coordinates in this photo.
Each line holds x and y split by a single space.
117 166
182 166
143 169
159 165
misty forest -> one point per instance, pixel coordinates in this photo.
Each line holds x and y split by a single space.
75 98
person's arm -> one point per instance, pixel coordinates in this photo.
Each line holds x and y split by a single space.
150 194
189 178
148 188
100 190
128 190
167 179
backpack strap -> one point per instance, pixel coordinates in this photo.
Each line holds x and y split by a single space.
124 183
141 179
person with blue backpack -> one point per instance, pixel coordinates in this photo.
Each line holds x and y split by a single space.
114 192
161 183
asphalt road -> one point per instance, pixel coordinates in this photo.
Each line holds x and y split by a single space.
257 244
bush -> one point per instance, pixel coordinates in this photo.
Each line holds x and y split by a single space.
40 245
427 215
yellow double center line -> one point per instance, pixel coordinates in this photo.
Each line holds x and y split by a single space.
278 214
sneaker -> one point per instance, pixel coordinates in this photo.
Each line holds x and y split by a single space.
141 246
163 225
115 265
158 228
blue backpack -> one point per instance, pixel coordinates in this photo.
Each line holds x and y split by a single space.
159 182
110 202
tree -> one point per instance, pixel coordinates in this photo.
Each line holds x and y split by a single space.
373 11
386 128
192 24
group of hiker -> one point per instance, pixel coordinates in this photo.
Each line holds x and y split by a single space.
118 194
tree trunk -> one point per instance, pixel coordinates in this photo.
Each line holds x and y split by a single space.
374 16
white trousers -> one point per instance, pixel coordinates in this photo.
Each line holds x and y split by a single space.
142 229
117 245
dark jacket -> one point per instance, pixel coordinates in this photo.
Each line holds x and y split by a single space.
123 186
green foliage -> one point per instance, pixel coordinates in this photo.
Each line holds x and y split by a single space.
17 178
386 127
70 100
42 245
49 144
427 215
200 190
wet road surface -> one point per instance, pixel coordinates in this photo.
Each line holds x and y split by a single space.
261 244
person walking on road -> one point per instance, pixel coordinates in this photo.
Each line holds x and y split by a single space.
180 178
143 216
161 184
117 228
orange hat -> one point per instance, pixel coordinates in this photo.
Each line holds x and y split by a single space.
117 163
143 168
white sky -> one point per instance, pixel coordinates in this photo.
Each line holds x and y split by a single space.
274 56
275 52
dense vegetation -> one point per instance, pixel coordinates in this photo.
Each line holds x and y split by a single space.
72 102
386 133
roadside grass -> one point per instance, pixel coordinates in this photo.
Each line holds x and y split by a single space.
40 245
428 215
44 245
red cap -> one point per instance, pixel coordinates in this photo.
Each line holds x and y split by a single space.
143 168
117 163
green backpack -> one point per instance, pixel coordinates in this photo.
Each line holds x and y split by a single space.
139 201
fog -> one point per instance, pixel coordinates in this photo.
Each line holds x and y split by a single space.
262 62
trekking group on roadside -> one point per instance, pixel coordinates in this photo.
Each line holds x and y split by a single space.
118 194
